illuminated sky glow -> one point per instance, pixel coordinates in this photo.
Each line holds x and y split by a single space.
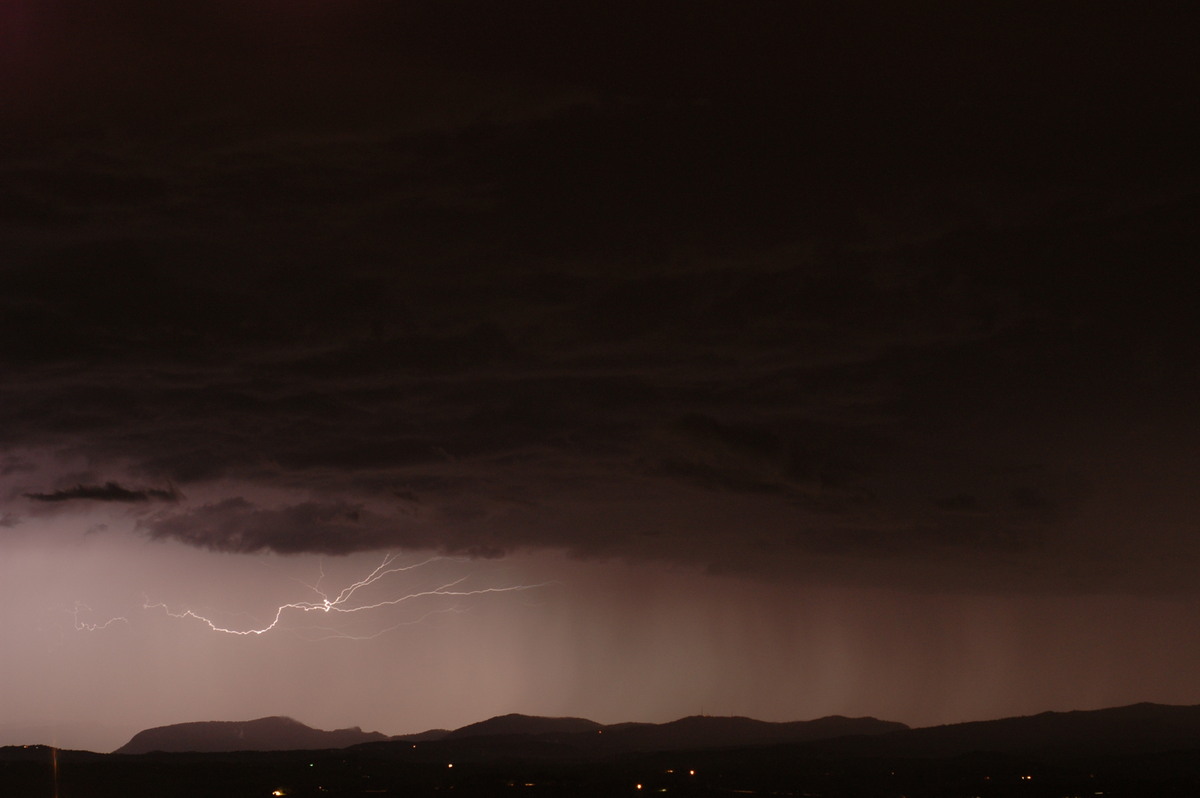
753 359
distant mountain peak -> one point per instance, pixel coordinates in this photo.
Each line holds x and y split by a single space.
274 733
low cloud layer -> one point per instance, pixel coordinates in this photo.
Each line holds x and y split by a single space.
108 492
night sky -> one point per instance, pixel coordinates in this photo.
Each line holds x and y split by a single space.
778 359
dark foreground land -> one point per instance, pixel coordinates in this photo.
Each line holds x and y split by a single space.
769 771
1140 751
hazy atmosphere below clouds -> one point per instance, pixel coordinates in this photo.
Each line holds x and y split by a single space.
403 364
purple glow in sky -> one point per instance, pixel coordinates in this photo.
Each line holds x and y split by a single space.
753 359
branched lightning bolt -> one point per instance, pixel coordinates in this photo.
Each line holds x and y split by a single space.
344 601
84 626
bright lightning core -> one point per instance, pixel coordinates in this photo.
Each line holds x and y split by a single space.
322 613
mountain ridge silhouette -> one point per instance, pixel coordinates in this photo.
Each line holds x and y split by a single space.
1135 728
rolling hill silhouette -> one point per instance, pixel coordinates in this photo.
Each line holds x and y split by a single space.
1129 730
706 731
524 724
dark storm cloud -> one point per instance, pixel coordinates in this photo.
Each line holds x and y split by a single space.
236 525
108 492
843 414
790 309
